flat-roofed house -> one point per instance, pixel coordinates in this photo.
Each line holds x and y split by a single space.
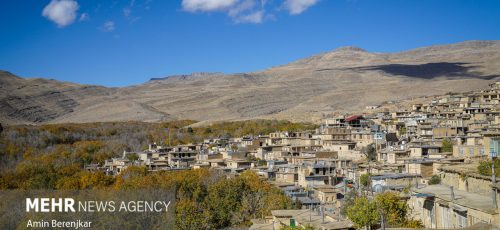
443 207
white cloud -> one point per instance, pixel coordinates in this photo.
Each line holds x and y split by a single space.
84 17
246 11
298 6
240 11
255 17
108 26
127 12
61 12
207 5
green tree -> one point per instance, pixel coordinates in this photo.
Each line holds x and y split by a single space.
363 213
484 167
402 130
132 157
367 213
435 179
447 145
190 215
392 208
348 202
261 162
223 199
365 179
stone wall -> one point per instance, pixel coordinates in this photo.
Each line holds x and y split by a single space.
467 183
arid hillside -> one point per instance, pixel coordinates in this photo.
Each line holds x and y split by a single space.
343 80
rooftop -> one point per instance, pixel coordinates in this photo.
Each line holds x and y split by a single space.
462 198
466 169
305 216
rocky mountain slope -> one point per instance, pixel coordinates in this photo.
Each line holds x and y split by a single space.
343 80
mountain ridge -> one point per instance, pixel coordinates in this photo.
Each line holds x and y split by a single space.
342 80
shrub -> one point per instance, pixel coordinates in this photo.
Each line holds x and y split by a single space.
435 179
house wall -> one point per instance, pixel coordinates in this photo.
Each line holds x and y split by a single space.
469 151
401 182
423 169
336 147
438 214
415 152
285 177
413 168
391 158
326 197
440 132
350 154
469 184
426 170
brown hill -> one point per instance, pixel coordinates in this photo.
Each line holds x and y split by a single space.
346 80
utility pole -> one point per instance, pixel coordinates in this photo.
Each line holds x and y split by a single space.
369 165
322 213
345 185
493 178
382 221
370 178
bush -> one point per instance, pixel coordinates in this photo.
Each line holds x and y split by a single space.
365 180
484 167
435 179
447 146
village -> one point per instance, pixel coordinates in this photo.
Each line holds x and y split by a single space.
428 153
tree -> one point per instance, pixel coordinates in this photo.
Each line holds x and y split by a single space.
391 208
189 215
402 130
447 145
435 179
223 199
412 223
363 213
484 167
132 157
261 162
370 152
252 206
348 202
365 179
367 213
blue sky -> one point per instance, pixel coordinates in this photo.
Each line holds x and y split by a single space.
120 43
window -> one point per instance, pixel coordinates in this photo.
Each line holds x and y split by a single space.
461 219
494 146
